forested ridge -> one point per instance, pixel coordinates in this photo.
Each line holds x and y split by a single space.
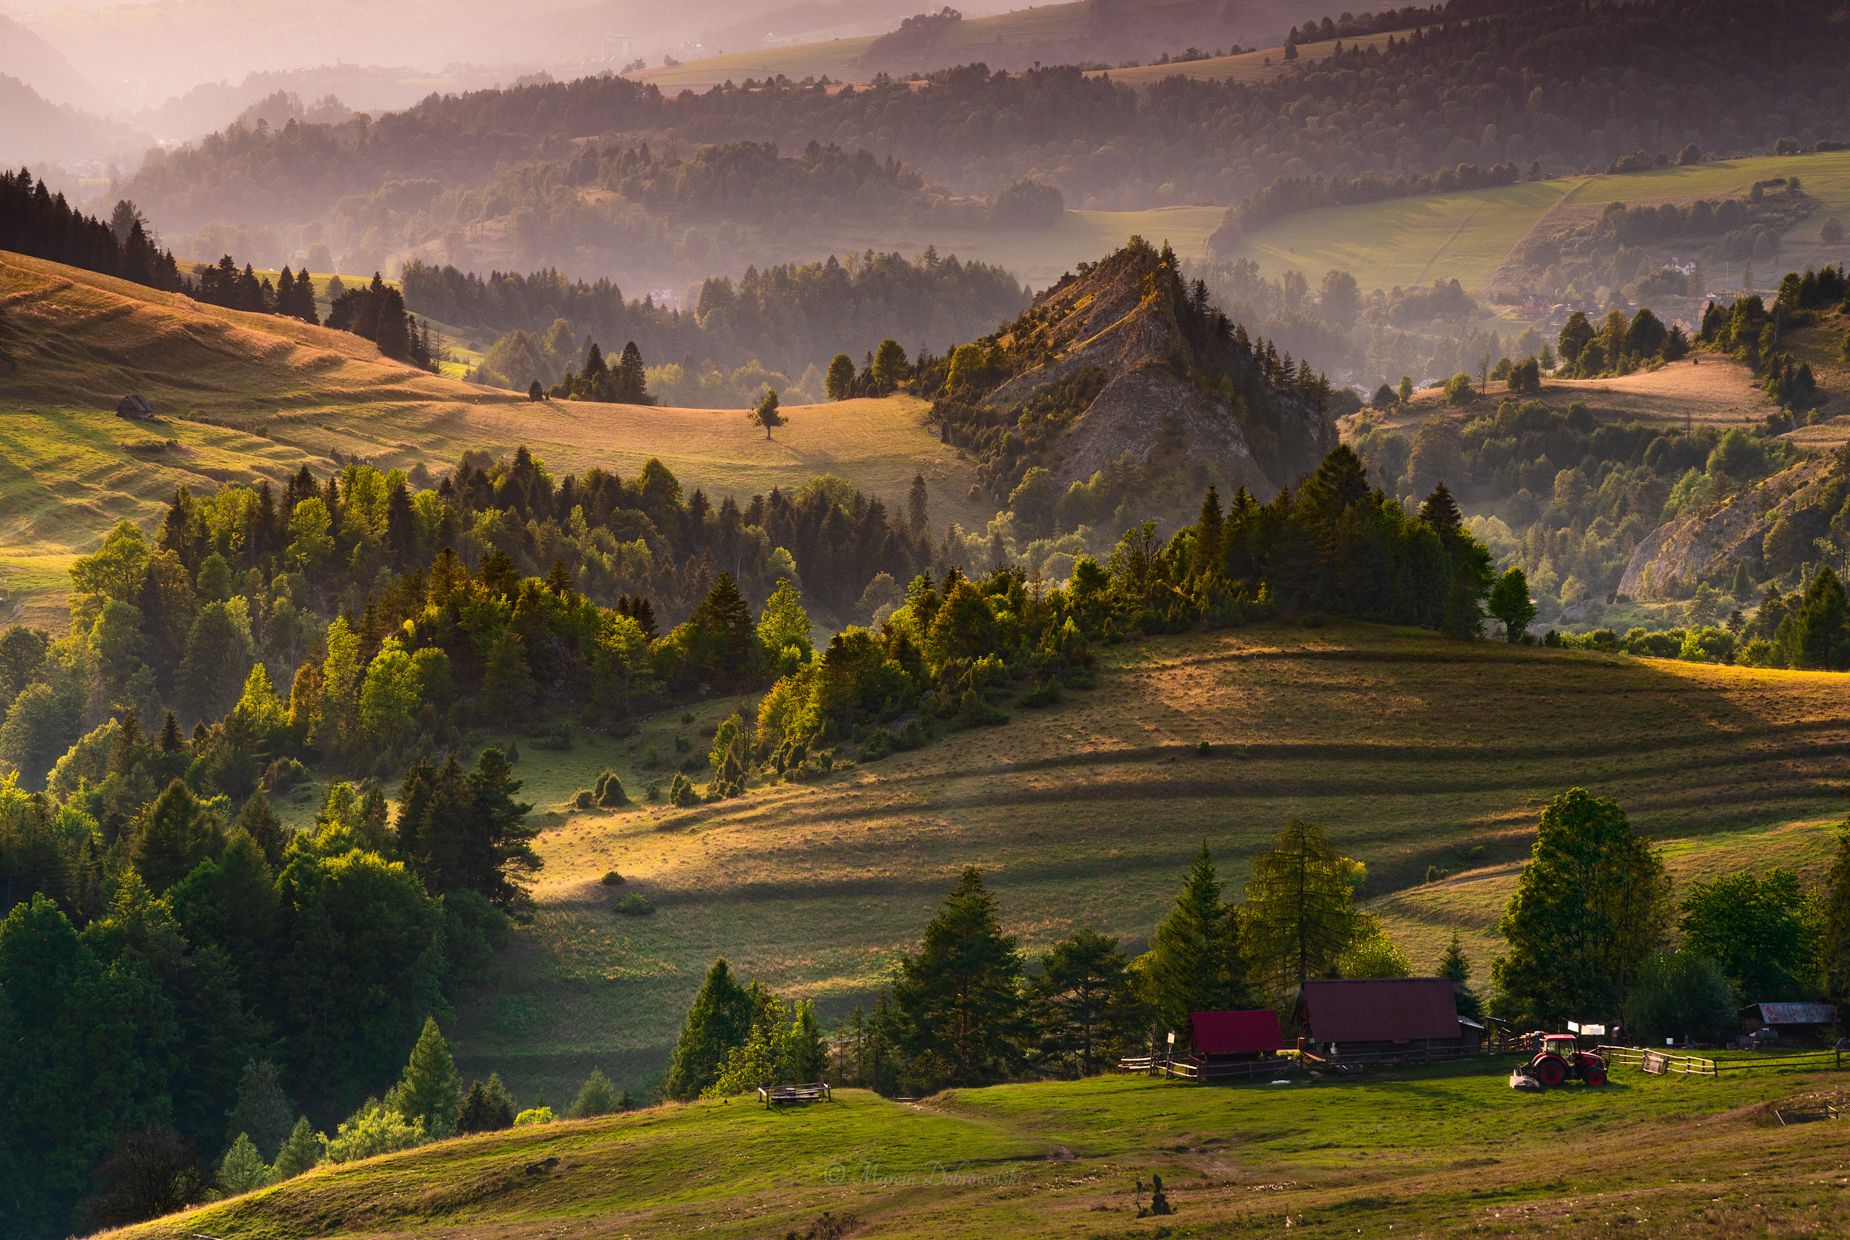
1573 86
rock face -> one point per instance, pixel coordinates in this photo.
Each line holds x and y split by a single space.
1706 546
1120 363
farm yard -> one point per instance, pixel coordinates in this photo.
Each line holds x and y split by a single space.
1424 760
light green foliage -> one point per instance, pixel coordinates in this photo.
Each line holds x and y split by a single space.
783 1046
242 1168
728 759
784 625
1374 955
373 1129
533 1116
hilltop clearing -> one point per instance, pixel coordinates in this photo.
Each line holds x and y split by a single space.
1441 1151
241 396
1413 751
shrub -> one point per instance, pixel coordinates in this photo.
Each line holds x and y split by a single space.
610 790
1204 748
585 799
688 717
635 904
653 792
681 792
532 1116
282 774
597 1097
682 744
557 738
612 879
373 1129
879 745
1043 693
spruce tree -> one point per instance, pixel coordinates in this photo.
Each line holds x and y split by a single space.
301 1152
262 1111
430 1090
1191 955
242 1168
1299 915
498 851
597 1097
718 1020
1456 969
487 1107
962 1014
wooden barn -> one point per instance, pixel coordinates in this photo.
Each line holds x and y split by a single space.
1233 1043
1398 1015
135 406
1802 1023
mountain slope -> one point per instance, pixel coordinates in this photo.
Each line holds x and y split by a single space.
244 395
1122 368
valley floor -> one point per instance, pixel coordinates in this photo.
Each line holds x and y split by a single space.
1445 1151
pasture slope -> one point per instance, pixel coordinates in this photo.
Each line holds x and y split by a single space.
1420 756
1466 236
245 396
1447 1151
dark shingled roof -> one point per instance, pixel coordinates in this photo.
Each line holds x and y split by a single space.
1235 1033
1791 1013
1399 1009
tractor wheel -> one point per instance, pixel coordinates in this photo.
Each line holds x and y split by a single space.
1550 1071
1594 1075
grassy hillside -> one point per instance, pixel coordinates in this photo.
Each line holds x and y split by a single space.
1256 66
1437 1152
1467 236
247 395
1413 751
996 39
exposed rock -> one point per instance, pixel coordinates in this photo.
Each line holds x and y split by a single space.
1705 546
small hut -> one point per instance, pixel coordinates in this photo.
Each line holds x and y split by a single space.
135 406
1233 1043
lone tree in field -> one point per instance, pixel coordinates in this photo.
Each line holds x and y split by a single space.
890 367
765 414
718 1021
1592 905
1300 914
962 1014
1193 962
1510 603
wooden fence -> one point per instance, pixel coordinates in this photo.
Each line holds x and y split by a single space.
1670 1063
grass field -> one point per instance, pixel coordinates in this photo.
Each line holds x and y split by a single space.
1467 236
242 396
1448 1151
1256 66
1412 751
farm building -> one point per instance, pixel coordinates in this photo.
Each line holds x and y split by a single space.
1793 1022
1233 1043
1383 1014
135 406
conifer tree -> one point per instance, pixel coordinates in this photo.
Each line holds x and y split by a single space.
1835 947
262 1112
597 1097
1192 962
1299 915
962 1014
429 1091
718 1020
242 1168
839 382
1455 968
301 1152
487 1107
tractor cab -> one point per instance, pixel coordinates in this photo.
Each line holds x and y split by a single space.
1562 1044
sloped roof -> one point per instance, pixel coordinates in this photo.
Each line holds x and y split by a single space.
1792 1013
1235 1033
1399 1009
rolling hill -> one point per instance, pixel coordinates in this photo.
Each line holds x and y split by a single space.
1049 33
242 396
1417 754
1470 236
1437 1152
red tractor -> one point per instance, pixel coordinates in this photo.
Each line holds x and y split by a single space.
1559 1060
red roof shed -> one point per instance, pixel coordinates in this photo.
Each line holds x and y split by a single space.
1398 1009
1236 1033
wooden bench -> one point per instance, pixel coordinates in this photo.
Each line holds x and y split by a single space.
813 1091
